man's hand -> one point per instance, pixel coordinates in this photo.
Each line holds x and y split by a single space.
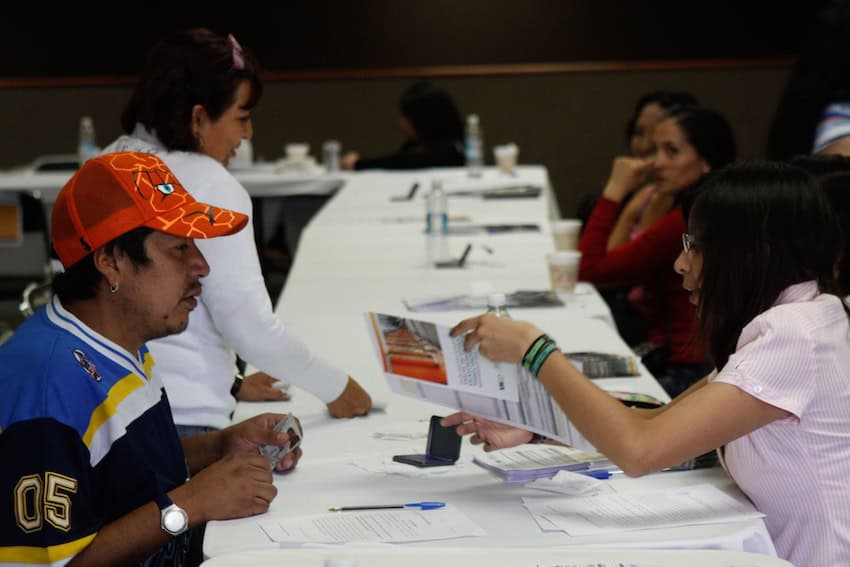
493 435
353 401
259 387
246 438
233 487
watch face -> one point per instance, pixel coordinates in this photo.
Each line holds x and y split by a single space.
174 520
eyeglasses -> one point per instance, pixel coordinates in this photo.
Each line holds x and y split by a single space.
688 242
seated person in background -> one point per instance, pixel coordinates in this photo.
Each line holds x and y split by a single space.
691 142
192 107
640 209
649 110
433 133
758 263
93 470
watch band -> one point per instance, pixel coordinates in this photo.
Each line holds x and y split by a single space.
238 378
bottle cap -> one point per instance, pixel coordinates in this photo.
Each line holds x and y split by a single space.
496 300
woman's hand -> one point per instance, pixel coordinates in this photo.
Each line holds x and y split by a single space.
258 387
352 402
627 175
499 339
493 435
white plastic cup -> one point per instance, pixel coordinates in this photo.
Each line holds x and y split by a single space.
563 270
296 152
506 157
565 233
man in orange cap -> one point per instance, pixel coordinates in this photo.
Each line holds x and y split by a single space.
93 467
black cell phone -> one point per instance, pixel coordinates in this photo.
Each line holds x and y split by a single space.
443 447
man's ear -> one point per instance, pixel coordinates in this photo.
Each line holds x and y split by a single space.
107 264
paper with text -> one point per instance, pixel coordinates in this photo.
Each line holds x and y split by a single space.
621 511
420 360
377 526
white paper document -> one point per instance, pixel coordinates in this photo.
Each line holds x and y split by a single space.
621 511
421 361
377 526
527 462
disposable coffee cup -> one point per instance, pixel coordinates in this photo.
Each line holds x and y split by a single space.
506 157
297 152
563 270
565 233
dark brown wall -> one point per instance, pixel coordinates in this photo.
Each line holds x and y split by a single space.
570 122
288 34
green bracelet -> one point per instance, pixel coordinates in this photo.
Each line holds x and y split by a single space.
532 351
542 356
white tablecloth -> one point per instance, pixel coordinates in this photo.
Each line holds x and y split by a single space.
365 252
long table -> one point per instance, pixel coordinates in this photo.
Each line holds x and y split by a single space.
365 251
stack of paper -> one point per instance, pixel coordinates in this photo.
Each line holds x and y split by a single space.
529 462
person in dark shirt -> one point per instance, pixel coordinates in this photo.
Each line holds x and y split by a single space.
433 133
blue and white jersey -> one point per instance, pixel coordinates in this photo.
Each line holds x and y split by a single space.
86 436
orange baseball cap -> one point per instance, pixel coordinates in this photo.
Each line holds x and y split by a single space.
115 193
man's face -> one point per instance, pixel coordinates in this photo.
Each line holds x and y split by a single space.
160 295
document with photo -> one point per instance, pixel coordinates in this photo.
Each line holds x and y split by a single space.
420 360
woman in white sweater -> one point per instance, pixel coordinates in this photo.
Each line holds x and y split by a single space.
192 107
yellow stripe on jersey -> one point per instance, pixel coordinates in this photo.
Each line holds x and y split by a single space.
107 408
148 363
43 555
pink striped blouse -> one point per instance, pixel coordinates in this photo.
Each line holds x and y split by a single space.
796 356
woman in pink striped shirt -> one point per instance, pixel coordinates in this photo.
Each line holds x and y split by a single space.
758 262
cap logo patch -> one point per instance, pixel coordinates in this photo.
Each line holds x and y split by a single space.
165 188
86 364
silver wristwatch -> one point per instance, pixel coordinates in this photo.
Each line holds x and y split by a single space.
172 518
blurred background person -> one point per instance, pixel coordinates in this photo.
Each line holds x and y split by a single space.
691 141
433 133
640 209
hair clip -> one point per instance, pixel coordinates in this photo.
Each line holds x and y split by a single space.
238 57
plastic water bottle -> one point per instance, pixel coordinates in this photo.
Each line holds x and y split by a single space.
474 146
87 147
497 305
436 223
330 155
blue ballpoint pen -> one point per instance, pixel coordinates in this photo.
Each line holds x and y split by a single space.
419 505
601 474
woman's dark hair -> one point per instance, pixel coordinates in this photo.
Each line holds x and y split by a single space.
833 174
80 281
665 99
432 112
195 66
759 227
708 132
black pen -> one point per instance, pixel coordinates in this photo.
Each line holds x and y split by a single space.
463 256
413 189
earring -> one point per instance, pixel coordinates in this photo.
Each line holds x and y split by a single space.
113 288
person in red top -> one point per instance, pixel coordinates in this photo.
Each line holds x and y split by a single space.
691 141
